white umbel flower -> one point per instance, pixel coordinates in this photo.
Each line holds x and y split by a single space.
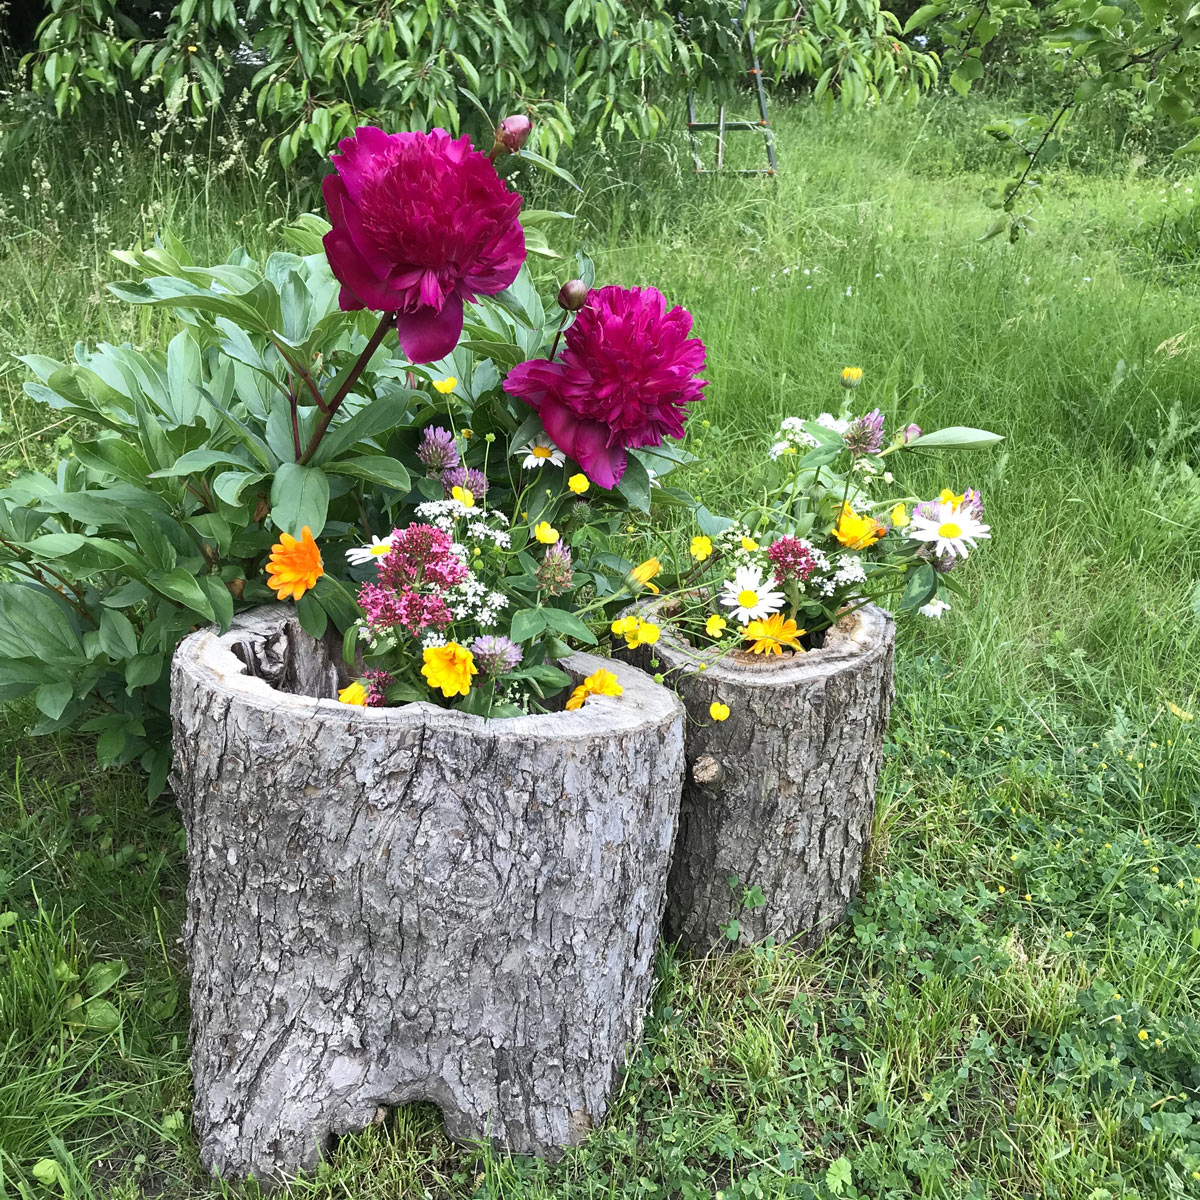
748 597
359 556
541 452
951 531
934 608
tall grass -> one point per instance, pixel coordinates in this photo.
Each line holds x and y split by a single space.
1031 905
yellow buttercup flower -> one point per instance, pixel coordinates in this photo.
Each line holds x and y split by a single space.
449 668
646 571
600 683
1143 1035
851 376
946 496
579 484
702 547
1176 711
464 496
447 385
354 694
769 635
718 711
900 516
715 626
857 532
623 626
749 544
294 566
636 632
545 533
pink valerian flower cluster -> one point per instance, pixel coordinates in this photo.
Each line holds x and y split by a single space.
377 683
792 559
412 577
421 225
625 380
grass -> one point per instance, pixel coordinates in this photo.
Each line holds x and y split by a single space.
1031 905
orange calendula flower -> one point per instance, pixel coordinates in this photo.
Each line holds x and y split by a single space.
770 634
646 571
857 532
449 668
600 683
294 566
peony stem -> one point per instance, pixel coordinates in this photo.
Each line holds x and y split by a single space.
554 349
385 322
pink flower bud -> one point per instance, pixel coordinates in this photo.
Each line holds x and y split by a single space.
572 296
512 133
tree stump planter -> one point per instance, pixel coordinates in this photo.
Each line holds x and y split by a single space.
388 905
781 794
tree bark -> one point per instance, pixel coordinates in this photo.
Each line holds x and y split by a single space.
388 905
781 795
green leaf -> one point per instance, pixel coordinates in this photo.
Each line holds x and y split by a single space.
635 484
374 468
220 598
181 586
381 415
922 16
312 617
527 624
196 461
53 698
569 625
299 497
920 587
550 167
118 638
143 669
955 437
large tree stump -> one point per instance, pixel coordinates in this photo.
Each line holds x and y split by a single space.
781 794
388 905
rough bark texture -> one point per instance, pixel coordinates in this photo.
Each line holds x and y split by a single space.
781 794
387 905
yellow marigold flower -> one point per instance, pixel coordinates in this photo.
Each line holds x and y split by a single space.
447 385
851 376
718 711
464 496
294 566
1143 1035
749 544
449 668
702 547
545 533
771 634
900 517
946 496
856 532
579 483
715 626
600 683
646 571
1176 711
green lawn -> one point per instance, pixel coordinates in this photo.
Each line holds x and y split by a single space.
1012 1008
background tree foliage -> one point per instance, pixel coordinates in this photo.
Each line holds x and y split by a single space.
317 68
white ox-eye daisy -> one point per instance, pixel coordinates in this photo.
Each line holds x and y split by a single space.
950 530
748 597
359 556
540 452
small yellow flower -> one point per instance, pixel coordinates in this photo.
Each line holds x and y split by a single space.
648 633
466 433
1068 934
623 626
1176 711
900 517
1116 995
946 496
1028 896
857 532
715 626
701 547
749 544
718 711
447 385
851 376
545 533
449 668
636 632
600 683
579 483
1000 889
354 694
646 571
464 496
1143 1035
193 49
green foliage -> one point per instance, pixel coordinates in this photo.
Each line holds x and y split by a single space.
318 68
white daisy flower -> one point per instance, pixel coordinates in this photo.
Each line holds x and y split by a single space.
934 608
359 556
540 452
951 531
749 597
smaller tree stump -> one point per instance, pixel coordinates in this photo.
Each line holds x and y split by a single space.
781 795
388 905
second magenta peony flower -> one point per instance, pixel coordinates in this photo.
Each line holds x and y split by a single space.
421 225
625 379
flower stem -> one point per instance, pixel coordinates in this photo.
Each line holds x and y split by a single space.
385 322
561 326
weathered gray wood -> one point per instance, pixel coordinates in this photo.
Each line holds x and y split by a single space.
387 905
780 795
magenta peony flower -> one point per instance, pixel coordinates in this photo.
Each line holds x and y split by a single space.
421 224
625 380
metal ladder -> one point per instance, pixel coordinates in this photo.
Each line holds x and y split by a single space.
720 126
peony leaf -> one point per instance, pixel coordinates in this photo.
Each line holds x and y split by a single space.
955 437
299 497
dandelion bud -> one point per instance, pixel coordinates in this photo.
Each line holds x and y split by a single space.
851 376
511 134
572 296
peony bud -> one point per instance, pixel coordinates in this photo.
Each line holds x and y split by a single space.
511 134
572 296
